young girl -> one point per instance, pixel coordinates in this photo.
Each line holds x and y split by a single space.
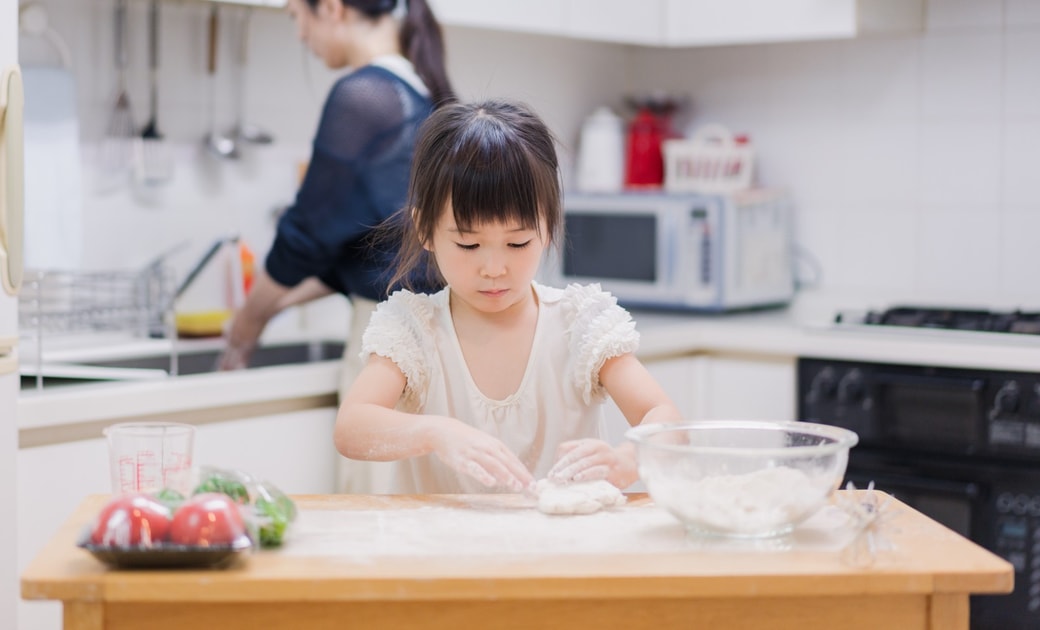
494 381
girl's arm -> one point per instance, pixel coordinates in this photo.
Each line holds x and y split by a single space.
642 400
368 427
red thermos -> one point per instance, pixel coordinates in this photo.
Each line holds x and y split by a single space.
644 164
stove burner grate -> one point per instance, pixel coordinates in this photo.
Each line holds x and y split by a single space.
1017 322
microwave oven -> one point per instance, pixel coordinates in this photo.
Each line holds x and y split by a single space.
701 252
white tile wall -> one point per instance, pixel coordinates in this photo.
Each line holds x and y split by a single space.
284 90
911 156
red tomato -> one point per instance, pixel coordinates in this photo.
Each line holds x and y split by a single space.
207 519
130 520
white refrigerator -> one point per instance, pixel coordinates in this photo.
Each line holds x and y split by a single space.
11 206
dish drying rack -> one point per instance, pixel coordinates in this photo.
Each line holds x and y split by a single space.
63 303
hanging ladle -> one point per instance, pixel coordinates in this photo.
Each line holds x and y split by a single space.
222 146
244 130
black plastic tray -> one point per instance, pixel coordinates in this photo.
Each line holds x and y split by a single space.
168 555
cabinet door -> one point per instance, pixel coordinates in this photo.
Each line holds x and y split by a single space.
676 376
708 22
52 481
294 451
623 21
531 16
738 388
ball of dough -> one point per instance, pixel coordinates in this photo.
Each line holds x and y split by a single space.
583 497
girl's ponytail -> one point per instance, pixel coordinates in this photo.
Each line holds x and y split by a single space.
423 45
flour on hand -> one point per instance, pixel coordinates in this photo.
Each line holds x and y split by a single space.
577 498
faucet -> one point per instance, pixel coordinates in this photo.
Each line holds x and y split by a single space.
199 266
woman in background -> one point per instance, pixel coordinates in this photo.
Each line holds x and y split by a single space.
358 172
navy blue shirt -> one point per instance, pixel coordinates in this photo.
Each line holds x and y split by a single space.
356 179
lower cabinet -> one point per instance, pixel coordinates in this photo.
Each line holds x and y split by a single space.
743 388
293 450
676 376
720 387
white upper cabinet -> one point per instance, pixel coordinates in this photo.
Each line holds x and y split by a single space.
623 21
527 16
707 22
687 22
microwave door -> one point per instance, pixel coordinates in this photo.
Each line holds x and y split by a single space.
628 254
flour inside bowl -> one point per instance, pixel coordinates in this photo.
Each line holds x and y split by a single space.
763 502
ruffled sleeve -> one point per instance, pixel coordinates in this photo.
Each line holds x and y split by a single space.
599 330
400 329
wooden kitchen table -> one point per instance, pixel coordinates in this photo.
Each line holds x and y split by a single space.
492 561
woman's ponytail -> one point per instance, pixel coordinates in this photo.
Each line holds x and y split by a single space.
423 44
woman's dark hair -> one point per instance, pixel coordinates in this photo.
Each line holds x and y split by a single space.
495 161
421 41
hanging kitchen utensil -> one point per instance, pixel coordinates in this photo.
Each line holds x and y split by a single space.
222 146
244 130
116 148
152 163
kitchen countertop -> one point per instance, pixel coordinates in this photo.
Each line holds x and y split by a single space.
449 561
783 333
767 334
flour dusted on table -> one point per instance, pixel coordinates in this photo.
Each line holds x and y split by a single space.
577 498
751 502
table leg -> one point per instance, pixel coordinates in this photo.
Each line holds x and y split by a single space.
948 612
79 615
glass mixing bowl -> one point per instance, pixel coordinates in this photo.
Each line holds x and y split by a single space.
741 478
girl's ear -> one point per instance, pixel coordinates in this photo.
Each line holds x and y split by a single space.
414 214
331 8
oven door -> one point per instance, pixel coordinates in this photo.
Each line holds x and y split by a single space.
995 504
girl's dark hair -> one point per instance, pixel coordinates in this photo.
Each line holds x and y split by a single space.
495 161
421 41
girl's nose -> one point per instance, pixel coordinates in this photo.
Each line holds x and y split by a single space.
492 267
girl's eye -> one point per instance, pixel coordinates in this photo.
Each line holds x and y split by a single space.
467 247
520 245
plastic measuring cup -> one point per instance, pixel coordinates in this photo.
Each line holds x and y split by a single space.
150 456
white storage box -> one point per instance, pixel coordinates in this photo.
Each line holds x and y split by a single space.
709 162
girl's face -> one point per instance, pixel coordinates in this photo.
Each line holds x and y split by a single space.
491 267
317 28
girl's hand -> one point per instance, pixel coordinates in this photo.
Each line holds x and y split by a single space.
472 452
591 460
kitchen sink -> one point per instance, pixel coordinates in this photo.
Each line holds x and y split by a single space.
203 361
189 362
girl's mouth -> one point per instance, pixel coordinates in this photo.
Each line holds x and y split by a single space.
494 292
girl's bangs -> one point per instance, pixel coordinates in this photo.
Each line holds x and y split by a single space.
496 182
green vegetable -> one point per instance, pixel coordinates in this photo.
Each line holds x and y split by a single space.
276 518
271 510
170 498
217 482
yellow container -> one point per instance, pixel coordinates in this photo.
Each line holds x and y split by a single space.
202 323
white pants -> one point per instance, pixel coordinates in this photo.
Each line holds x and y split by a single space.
356 476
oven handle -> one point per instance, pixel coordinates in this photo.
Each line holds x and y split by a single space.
968 490
944 382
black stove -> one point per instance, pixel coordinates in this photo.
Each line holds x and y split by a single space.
1017 322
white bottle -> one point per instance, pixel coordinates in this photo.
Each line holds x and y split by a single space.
601 152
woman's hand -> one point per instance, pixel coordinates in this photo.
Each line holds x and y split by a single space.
235 357
591 460
470 451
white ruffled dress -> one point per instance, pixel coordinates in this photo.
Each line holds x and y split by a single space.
560 396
